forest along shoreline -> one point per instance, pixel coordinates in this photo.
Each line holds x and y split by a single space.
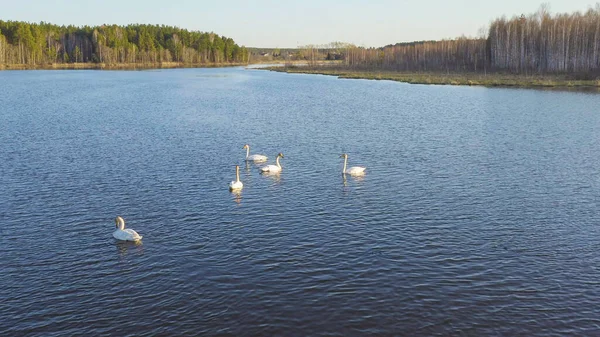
541 50
26 45
450 78
116 66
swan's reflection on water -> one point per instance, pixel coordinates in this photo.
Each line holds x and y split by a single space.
275 176
247 166
357 178
237 196
349 185
124 248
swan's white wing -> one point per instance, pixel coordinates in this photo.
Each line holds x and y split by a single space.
236 185
356 170
270 168
118 235
122 235
130 235
134 234
257 157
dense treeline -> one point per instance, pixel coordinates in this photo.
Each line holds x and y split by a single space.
538 43
457 55
545 43
43 43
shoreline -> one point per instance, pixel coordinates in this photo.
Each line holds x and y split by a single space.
436 78
492 79
147 65
116 66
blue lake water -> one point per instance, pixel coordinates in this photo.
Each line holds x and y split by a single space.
478 214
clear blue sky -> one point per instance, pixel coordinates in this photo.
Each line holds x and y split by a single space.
288 24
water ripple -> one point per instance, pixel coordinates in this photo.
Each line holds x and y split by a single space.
476 216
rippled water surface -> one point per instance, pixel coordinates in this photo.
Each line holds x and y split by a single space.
478 214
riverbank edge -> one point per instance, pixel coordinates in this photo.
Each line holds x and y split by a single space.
116 66
470 79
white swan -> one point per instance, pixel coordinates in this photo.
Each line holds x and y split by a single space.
236 184
273 168
353 171
125 234
254 157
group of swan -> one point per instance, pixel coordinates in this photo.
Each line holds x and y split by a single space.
259 158
130 235
238 185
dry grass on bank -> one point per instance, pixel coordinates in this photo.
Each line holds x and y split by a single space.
477 79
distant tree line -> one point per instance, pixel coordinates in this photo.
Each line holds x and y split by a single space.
545 43
447 55
311 53
538 43
43 43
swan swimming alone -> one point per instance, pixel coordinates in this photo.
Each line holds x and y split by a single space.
125 234
273 168
254 157
353 171
236 184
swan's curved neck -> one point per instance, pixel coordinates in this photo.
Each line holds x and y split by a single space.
120 223
247 151
345 162
277 161
237 173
